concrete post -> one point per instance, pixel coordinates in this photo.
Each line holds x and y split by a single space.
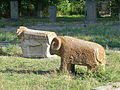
52 13
91 11
14 10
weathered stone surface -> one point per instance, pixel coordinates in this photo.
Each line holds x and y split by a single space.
74 51
14 9
35 43
114 86
52 13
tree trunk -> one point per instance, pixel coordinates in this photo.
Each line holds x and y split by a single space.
118 3
119 13
39 10
19 7
119 20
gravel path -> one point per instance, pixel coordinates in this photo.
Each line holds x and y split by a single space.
44 27
50 27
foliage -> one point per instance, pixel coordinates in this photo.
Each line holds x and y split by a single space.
3 22
8 36
104 33
114 7
66 7
11 50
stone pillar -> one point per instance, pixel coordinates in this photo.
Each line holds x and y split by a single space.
91 11
52 13
14 10
40 13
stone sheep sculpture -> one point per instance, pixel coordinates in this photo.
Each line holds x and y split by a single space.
77 52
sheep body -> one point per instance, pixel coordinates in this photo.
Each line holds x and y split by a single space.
79 52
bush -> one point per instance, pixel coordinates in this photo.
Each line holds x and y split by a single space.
11 50
71 8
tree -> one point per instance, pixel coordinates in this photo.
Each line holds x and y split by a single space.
118 3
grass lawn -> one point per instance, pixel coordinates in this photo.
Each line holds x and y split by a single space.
106 35
18 73
63 20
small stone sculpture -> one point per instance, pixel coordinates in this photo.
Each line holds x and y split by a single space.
78 52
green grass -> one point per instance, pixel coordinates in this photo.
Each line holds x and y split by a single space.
62 20
41 74
17 72
8 36
106 35
28 21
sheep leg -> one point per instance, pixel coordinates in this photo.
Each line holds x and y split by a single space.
93 68
88 69
66 67
63 66
72 68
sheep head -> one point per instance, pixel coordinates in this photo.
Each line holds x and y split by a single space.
55 46
20 31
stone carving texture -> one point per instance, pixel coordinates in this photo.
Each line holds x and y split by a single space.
35 43
78 52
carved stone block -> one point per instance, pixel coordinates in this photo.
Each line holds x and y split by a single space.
35 43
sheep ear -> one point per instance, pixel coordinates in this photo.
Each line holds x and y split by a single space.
56 43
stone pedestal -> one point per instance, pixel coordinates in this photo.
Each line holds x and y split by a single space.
14 10
52 13
91 11
36 43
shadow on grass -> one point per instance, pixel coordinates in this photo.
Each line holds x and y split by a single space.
38 72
